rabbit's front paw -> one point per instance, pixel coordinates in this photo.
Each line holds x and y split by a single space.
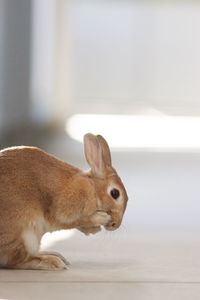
90 230
100 218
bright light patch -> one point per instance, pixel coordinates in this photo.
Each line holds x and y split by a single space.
50 239
130 131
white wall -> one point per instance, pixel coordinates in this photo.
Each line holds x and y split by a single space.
43 60
1 63
134 53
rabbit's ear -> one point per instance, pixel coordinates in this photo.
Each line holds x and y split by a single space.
93 154
105 151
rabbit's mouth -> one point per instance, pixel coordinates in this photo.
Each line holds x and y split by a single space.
111 226
114 222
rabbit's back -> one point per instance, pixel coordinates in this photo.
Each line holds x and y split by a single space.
19 190
28 176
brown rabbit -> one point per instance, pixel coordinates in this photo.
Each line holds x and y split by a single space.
40 193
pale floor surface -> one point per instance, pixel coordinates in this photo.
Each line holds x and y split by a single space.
155 254
122 266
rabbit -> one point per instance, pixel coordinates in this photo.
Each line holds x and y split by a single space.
40 193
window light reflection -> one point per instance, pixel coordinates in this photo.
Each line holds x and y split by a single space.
139 131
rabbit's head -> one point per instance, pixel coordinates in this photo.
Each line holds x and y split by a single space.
110 192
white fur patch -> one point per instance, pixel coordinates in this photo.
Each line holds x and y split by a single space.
33 234
31 241
100 218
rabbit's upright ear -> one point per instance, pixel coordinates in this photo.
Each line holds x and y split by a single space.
93 154
105 151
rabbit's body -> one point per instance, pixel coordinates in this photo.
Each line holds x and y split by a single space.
40 193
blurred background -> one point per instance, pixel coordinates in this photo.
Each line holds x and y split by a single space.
128 70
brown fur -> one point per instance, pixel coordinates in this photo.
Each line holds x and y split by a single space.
40 193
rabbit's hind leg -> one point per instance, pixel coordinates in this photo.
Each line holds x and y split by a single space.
20 258
54 253
42 262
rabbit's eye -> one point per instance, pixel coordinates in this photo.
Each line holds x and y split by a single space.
115 193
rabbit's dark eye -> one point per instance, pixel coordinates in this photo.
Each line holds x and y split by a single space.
115 193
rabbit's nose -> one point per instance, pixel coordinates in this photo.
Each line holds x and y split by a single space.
111 226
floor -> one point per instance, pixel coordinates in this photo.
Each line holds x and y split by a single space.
154 255
123 267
